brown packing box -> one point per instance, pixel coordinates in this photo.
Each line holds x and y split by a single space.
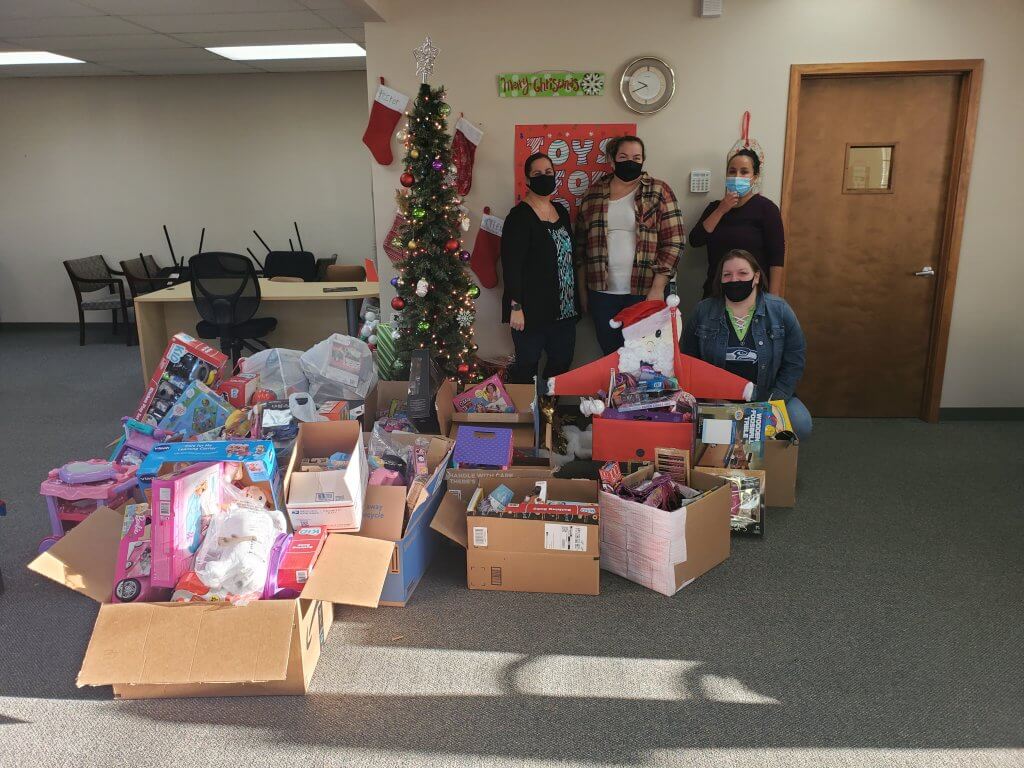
666 550
171 650
779 465
318 440
521 422
510 555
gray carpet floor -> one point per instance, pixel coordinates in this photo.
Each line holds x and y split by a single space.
878 623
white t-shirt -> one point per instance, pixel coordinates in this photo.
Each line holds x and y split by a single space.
621 243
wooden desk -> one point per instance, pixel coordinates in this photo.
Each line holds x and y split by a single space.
305 315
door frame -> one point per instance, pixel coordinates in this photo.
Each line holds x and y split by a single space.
970 72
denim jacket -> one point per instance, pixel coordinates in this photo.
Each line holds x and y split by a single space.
781 347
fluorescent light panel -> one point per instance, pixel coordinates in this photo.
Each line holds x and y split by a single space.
9 58
304 51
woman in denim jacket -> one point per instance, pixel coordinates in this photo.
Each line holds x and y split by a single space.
749 332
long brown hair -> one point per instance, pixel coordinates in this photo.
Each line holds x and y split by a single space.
747 256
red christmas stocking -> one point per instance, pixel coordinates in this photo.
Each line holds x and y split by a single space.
487 250
388 106
464 142
393 245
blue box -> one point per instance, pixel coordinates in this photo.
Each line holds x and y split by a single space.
257 458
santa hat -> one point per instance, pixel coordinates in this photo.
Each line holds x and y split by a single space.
644 318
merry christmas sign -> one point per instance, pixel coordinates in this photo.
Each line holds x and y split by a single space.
577 150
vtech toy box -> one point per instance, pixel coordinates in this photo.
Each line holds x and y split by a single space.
184 360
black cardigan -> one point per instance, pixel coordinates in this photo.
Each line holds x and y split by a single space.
529 266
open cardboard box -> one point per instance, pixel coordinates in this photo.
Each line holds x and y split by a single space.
780 467
319 440
514 555
665 551
404 519
172 650
521 423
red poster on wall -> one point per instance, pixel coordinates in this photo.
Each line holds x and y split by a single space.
577 151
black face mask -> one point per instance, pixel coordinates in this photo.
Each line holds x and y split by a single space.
542 185
628 170
738 290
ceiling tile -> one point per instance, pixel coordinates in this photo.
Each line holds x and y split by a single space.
343 17
100 42
43 9
9 46
63 70
356 33
230 22
221 66
139 7
312 65
129 58
66 25
356 8
275 37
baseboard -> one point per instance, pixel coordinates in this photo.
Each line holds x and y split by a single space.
981 414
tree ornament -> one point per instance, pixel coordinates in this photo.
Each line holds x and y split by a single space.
465 227
465 256
394 282
424 56
452 245
402 134
423 325
419 213
445 110
463 369
473 292
422 287
398 303
371 340
437 165
407 179
465 318
412 245
414 153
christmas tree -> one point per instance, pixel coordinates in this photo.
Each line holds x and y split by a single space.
435 295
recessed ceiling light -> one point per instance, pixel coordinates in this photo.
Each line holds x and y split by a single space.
35 57
306 51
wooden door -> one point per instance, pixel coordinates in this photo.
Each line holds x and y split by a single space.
853 253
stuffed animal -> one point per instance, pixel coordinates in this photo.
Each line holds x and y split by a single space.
578 445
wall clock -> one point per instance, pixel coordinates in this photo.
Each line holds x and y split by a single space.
647 85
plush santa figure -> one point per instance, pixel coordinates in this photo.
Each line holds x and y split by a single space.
651 331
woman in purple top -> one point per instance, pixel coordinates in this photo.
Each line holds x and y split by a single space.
742 220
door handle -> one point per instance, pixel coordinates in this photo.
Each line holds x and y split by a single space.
926 272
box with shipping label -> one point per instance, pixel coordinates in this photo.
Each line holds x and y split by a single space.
404 516
517 555
336 503
666 550
174 650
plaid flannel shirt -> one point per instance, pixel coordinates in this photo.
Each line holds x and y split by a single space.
660 235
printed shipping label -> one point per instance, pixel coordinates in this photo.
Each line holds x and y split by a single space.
479 537
569 538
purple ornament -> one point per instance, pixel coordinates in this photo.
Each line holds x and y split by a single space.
394 282
465 256
437 165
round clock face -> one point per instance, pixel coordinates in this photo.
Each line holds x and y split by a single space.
647 85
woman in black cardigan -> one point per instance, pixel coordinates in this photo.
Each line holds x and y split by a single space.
541 300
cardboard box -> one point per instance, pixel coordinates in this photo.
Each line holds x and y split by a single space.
524 434
621 440
391 515
342 512
756 528
450 520
666 551
530 555
780 465
171 650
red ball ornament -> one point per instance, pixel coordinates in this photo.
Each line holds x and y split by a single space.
262 396
452 245
398 303
463 369
407 179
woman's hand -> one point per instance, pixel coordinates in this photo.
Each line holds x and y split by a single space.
727 203
517 320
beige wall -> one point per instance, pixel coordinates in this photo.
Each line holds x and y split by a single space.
724 66
96 165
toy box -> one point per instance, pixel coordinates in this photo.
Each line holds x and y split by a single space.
298 560
334 410
137 441
478 447
199 409
489 396
239 389
184 360
133 574
253 462
183 504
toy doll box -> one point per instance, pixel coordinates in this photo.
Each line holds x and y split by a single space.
666 550
185 359
174 650
390 514
524 431
255 460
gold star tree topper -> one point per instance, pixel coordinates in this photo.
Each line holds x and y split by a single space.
425 56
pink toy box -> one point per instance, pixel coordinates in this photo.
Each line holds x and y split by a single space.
184 360
183 503
132 577
78 488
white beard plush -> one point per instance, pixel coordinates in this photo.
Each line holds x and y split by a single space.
650 341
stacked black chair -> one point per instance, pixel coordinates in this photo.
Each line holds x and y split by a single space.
290 264
226 293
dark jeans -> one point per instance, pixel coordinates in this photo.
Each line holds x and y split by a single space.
558 340
603 307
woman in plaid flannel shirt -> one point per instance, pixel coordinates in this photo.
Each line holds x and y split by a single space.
629 236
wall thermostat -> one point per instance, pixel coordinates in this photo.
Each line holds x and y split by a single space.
700 181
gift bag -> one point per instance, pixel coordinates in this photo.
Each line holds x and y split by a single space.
339 368
280 371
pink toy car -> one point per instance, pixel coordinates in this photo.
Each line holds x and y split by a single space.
79 488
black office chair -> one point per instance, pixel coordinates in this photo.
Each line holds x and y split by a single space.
322 264
290 264
226 293
172 275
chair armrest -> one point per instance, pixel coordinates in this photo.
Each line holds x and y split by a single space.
95 281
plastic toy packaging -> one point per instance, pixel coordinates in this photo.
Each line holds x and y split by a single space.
236 553
410 460
280 371
339 368
489 396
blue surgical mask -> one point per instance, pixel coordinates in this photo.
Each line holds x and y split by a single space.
738 184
